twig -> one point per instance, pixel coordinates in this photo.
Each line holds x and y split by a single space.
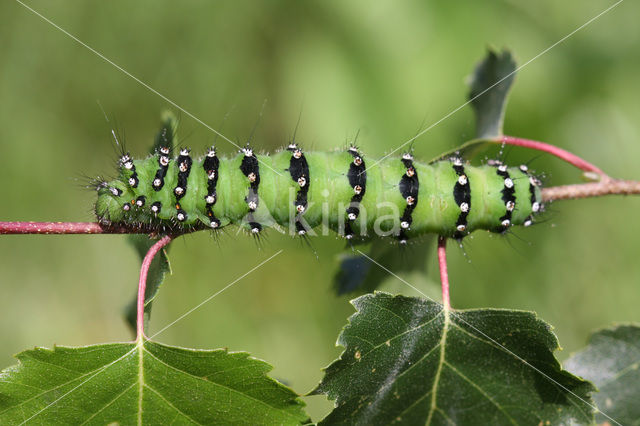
55 228
553 150
607 186
88 228
444 276
142 283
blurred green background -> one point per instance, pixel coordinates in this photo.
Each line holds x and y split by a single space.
383 68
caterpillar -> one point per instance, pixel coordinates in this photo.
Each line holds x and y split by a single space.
398 197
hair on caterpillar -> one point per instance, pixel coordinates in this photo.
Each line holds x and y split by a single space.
118 139
255 126
306 240
92 183
220 126
292 139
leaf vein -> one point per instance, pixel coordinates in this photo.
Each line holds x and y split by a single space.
436 379
170 404
481 391
418 327
91 375
629 368
209 382
108 404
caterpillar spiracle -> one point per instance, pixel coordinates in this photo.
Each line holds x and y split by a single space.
398 197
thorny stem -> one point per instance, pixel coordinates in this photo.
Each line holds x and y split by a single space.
444 276
142 283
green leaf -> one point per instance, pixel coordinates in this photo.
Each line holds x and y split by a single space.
408 360
612 362
359 274
143 383
158 269
168 133
490 84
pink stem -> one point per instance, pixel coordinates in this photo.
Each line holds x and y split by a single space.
47 228
142 284
444 276
50 228
553 150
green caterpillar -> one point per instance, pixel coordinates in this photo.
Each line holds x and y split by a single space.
302 191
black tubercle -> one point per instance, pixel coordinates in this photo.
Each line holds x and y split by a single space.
255 227
250 167
181 215
211 165
358 180
462 197
156 207
409 185
133 180
508 196
299 171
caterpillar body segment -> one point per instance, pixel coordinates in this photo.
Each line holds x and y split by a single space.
301 191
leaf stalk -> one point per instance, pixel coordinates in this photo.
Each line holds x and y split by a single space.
142 283
444 275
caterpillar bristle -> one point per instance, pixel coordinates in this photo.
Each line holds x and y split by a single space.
92 183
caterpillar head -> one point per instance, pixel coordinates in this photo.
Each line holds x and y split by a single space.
113 200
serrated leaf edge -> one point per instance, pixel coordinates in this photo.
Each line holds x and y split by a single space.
552 344
138 345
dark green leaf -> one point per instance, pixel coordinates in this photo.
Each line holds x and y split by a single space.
143 383
359 274
168 133
612 362
490 84
159 267
407 360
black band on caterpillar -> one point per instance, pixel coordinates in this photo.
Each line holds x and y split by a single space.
184 168
127 163
251 169
462 197
299 171
508 196
409 185
211 164
535 205
163 162
358 180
